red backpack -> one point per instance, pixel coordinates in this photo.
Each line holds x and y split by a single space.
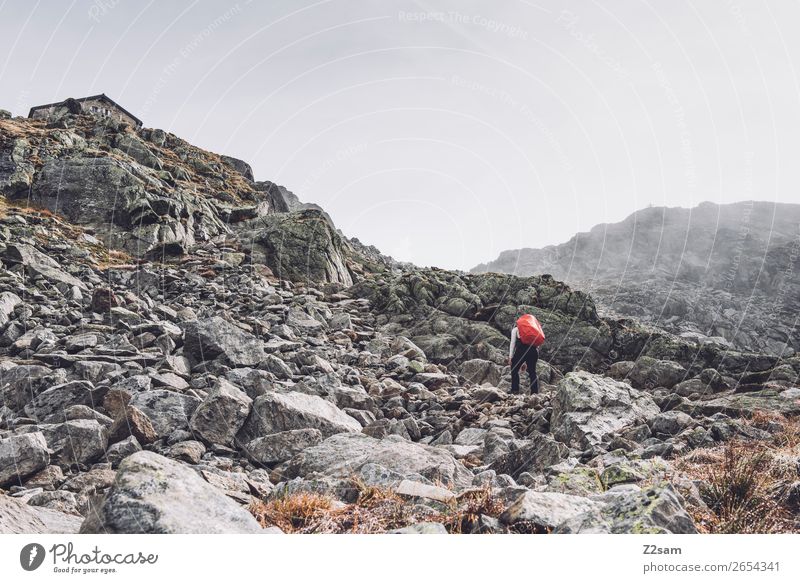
530 330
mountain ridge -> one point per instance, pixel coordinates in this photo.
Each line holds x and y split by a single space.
162 314
747 251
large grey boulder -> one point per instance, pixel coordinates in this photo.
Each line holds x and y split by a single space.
155 495
215 337
167 410
57 398
276 412
282 446
22 455
670 423
220 416
648 373
771 398
547 509
541 452
78 441
589 408
19 518
19 383
343 455
480 371
654 510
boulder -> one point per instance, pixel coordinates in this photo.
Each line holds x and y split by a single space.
657 509
240 166
412 489
480 371
343 455
547 509
22 455
649 373
19 518
57 398
155 495
166 410
276 412
132 422
79 441
221 415
279 447
122 449
670 423
541 452
215 337
190 451
692 386
775 399
8 301
588 409
19 384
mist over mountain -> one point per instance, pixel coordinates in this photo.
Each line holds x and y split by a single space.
727 272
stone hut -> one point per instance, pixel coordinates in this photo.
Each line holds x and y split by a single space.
100 105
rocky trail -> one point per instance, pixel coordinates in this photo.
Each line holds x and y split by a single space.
176 336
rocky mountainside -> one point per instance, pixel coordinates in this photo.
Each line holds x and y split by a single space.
721 273
175 335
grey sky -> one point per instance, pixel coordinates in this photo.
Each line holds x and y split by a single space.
445 131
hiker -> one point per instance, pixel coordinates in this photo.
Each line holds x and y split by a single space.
523 355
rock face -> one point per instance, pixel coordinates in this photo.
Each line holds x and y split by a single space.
711 273
589 409
154 495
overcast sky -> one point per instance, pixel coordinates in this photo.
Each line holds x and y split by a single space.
444 132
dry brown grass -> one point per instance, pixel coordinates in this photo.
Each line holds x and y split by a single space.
376 510
745 483
292 513
107 258
469 507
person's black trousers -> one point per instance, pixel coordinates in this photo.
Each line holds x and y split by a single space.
529 355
